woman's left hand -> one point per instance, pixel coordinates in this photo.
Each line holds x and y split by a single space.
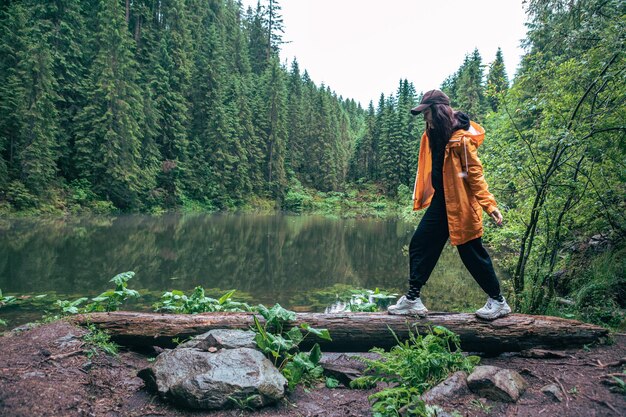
497 217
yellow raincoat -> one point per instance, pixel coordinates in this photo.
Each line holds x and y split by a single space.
464 185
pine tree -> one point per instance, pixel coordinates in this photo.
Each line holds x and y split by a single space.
68 43
13 41
109 143
170 84
497 81
258 39
362 161
29 121
408 136
390 147
275 27
470 96
295 120
275 127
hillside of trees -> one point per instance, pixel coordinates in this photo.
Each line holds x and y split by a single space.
140 105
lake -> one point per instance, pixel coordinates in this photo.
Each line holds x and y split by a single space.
300 262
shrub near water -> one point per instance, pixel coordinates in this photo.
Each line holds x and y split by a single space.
176 301
413 367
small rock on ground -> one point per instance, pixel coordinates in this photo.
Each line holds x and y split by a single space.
497 384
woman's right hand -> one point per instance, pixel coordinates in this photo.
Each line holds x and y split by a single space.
497 217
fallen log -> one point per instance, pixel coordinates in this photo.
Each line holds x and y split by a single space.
357 332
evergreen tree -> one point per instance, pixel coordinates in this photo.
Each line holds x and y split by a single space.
497 81
407 130
470 96
258 42
275 127
171 83
67 41
29 121
275 27
391 148
295 120
362 162
13 41
109 143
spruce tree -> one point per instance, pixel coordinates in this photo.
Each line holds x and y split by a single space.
14 22
68 43
29 120
258 39
497 81
470 96
275 127
170 84
35 152
109 142
295 120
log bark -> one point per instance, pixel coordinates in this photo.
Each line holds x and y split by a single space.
357 332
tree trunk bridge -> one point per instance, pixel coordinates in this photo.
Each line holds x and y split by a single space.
357 332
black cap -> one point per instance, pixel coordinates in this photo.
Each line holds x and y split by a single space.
429 98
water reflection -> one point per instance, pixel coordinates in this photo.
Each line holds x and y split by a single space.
273 258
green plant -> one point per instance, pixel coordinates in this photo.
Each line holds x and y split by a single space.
619 385
6 300
20 197
98 339
111 300
282 346
412 367
176 301
70 307
368 300
476 403
247 404
331 382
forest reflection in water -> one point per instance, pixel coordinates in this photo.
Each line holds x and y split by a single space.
297 261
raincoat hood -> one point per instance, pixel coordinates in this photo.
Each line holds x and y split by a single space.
476 133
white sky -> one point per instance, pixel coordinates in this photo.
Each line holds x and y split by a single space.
362 48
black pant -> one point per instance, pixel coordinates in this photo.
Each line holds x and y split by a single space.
428 242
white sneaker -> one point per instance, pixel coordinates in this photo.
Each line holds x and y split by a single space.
493 309
406 307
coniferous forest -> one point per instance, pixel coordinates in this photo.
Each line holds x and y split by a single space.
142 105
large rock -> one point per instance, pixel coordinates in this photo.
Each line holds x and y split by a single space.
497 384
193 378
454 386
222 339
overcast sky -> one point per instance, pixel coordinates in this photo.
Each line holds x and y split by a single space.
361 48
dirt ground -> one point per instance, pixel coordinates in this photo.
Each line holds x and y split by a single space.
45 371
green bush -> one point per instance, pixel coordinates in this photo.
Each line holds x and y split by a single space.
19 196
80 192
297 201
412 367
600 292
176 301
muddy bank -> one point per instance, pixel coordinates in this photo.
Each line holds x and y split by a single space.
46 371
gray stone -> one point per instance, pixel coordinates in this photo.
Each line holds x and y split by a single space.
202 380
33 374
497 384
222 339
552 391
68 341
454 386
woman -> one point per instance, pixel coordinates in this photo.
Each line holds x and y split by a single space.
451 184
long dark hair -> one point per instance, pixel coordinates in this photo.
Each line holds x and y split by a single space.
442 127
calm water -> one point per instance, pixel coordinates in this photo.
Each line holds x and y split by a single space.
298 261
